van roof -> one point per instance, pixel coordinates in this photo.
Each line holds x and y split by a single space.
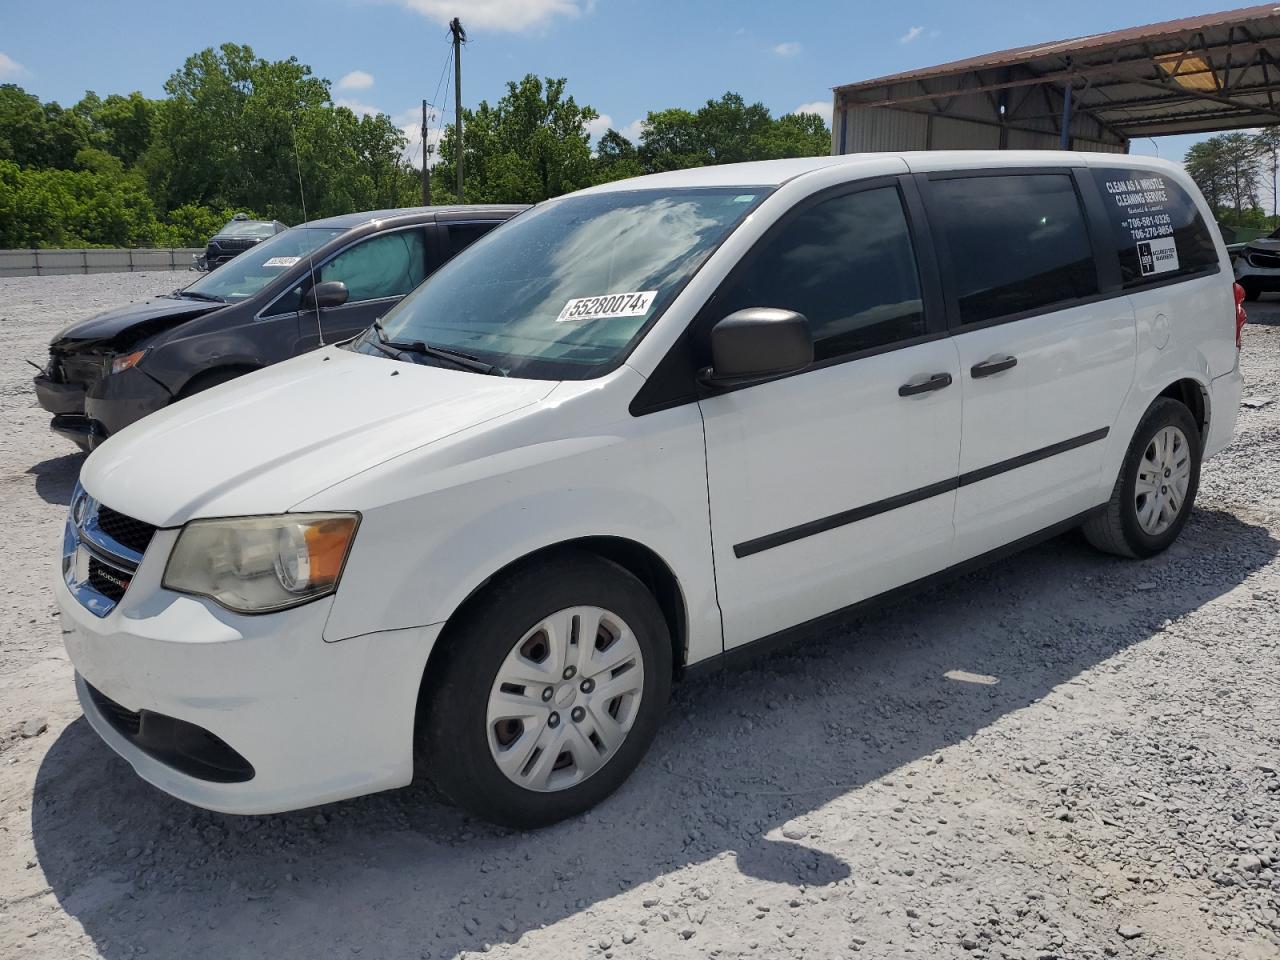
771 173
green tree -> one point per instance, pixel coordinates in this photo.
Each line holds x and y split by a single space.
532 144
728 130
1267 144
1225 168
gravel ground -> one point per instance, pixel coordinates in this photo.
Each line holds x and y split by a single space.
1065 755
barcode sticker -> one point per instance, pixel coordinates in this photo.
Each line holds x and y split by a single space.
608 306
281 261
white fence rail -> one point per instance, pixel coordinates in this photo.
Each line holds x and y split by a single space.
39 263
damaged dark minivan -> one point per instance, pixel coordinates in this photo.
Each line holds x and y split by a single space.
317 283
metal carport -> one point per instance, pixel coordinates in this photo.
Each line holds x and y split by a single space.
1214 72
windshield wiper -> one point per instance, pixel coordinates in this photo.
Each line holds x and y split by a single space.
421 348
196 295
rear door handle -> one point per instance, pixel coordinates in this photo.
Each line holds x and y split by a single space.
989 368
936 382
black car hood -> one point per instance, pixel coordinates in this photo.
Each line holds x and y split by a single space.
142 318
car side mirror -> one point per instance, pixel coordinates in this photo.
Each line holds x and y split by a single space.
331 293
757 344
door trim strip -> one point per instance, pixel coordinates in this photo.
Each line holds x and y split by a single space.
810 528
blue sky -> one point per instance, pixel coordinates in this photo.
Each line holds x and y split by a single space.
623 57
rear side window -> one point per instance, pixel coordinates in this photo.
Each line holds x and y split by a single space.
463 235
847 264
1018 244
1158 230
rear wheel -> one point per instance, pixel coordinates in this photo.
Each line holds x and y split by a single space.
549 692
1157 485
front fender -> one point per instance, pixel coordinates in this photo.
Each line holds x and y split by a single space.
417 558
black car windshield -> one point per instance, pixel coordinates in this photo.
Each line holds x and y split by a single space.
248 228
252 270
562 291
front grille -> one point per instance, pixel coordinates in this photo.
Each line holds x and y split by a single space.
1261 258
126 531
107 580
121 718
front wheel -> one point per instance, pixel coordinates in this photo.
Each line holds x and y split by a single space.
1157 485
549 692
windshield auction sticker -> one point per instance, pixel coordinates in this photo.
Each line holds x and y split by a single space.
281 261
608 307
1144 205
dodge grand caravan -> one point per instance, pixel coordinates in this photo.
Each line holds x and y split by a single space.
698 412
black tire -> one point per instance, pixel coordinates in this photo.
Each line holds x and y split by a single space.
453 735
1117 528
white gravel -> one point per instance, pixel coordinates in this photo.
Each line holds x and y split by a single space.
1065 755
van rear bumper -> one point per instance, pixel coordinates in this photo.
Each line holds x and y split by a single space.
1224 407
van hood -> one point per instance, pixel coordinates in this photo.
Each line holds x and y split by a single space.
271 439
143 317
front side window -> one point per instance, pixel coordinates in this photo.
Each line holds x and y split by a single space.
1018 243
387 265
252 270
564 290
847 264
1158 230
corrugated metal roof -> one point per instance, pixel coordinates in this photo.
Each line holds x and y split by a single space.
1213 72
1081 45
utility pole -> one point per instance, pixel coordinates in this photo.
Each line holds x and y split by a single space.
426 169
459 38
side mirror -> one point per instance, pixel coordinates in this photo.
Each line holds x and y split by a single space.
755 344
331 293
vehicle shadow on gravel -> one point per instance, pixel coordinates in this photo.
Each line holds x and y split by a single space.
56 477
742 753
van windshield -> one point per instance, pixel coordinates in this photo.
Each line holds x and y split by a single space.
252 270
563 291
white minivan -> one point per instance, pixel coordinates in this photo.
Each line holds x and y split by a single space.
632 432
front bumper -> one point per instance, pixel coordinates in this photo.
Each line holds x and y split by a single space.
1259 277
87 414
314 721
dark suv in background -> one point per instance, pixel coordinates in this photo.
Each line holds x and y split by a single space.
320 282
237 236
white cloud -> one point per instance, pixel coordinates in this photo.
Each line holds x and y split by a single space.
788 49
633 131
410 123
597 127
356 80
511 15
821 108
356 107
11 69
911 34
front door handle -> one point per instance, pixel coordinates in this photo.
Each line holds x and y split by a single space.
989 368
929 384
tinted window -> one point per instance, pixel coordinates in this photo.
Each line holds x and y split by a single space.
1158 230
463 235
388 265
1017 243
847 265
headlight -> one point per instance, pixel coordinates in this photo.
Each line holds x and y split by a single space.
127 360
260 564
